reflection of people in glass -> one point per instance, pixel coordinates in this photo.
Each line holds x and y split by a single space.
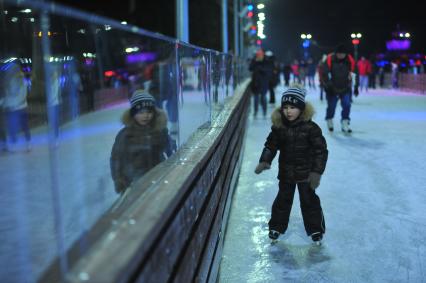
142 143
15 104
163 88
217 75
229 71
203 83
53 102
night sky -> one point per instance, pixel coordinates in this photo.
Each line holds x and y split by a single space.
332 22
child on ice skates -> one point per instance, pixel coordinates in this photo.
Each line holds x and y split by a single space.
302 161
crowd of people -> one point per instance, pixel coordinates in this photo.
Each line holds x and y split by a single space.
337 76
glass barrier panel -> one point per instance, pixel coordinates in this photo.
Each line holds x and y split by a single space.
194 99
229 75
28 199
73 139
88 108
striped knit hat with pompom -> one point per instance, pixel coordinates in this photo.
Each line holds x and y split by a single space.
294 96
141 100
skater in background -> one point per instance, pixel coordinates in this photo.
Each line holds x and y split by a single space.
295 71
337 80
259 80
142 143
302 161
364 71
274 75
286 73
302 72
373 73
320 70
311 70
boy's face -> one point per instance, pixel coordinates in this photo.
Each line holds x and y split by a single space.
144 117
291 112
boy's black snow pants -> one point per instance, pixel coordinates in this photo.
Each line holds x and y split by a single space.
310 204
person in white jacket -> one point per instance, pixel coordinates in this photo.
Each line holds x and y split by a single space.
15 105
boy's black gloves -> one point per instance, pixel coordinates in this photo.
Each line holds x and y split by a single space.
356 91
262 166
314 180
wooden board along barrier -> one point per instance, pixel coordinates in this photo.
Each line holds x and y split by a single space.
173 231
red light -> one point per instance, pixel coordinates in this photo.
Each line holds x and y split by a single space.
253 27
355 41
250 14
109 73
259 42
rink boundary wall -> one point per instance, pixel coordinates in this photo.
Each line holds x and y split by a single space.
173 230
413 82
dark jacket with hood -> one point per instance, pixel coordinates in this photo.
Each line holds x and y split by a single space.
137 149
336 75
302 146
261 74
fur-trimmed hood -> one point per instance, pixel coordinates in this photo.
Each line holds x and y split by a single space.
306 115
160 122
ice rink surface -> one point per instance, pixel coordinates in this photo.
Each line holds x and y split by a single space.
373 194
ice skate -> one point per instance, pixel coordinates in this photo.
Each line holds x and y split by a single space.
317 237
273 235
330 125
345 126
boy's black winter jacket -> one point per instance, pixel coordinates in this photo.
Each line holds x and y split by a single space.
302 146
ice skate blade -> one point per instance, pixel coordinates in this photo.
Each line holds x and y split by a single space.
273 242
317 243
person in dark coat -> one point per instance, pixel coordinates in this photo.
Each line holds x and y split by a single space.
287 72
302 160
142 143
311 69
337 81
261 70
274 75
320 70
